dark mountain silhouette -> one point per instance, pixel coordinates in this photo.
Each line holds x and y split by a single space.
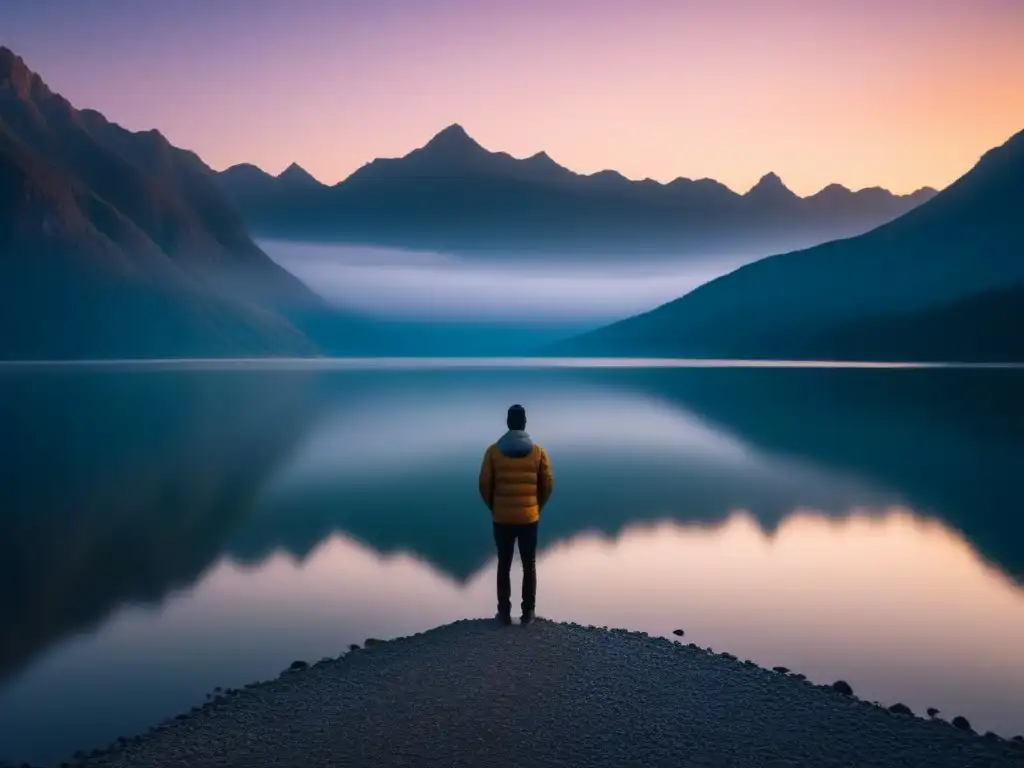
901 429
298 177
922 286
770 193
453 194
117 244
247 179
985 327
120 489
249 182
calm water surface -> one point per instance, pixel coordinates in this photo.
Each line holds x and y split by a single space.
167 531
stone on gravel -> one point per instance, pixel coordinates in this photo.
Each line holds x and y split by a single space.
298 664
781 670
901 709
932 711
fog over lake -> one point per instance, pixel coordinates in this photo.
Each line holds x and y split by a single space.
391 283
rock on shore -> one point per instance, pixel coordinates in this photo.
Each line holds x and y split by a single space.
474 693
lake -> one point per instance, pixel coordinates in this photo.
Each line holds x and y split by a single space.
172 528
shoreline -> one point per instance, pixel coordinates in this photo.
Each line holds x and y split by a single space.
552 693
392 362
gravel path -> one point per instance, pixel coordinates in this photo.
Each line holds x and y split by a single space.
476 694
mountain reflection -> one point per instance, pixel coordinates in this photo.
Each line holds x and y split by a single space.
121 488
396 468
951 441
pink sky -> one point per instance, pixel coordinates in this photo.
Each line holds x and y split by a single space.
898 93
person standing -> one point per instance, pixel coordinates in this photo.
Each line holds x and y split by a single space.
515 483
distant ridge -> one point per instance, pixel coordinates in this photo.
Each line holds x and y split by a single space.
452 193
943 282
298 176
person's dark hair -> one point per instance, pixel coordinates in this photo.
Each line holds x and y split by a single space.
516 417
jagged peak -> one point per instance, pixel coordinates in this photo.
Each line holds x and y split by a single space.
770 183
453 138
455 129
11 63
15 74
296 174
542 161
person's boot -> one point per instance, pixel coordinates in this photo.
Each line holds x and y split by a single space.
503 618
527 617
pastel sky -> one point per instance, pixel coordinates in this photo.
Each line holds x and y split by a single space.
898 93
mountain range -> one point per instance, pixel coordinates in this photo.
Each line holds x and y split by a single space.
117 244
943 282
454 195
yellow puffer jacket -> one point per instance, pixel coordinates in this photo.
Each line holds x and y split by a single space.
516 479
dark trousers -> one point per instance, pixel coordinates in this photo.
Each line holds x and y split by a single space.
505 537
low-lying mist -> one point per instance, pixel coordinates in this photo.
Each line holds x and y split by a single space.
402 285
437 304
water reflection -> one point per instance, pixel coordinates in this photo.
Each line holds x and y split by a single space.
175 531
915 625
951 441
897 604
120 488
397 469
